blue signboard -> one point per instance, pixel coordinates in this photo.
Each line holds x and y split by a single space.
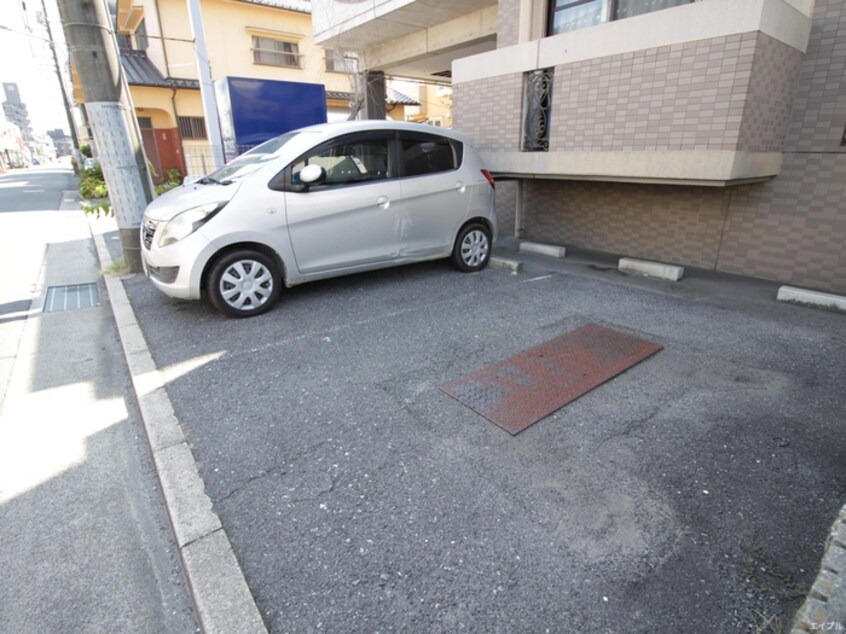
255 110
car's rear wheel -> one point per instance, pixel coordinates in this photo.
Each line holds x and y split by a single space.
244 283
472 248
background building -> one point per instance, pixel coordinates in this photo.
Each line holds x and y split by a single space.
61 141
706 133
12 148
254 39
16 111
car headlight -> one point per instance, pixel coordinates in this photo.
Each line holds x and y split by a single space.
186 223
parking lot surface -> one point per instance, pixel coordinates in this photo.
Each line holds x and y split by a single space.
693 492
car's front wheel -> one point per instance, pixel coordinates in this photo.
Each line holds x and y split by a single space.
472 248
244 283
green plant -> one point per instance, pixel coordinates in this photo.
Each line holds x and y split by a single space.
92 187
85 150
97 207
92 184
116 268
174 179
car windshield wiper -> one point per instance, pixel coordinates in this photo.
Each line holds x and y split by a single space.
210 180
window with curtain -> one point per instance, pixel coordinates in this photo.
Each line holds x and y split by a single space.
571 15
631 8
270 52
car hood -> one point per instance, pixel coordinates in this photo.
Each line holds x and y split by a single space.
187 197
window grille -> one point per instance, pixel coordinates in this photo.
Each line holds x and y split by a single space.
537 108
191 128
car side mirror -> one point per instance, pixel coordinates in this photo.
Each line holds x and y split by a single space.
312 175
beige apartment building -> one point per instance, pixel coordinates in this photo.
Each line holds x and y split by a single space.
707 133
256 39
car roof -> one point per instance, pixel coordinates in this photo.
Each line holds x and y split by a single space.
341 127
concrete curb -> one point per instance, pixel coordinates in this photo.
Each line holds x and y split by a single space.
814 299
219 590
505 264
651 269
824 609
550 250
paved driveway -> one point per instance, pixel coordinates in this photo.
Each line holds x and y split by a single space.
691 493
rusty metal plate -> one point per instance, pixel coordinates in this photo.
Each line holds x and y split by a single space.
517 392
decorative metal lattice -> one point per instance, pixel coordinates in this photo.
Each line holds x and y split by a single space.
537 109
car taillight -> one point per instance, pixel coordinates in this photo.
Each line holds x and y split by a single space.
487 175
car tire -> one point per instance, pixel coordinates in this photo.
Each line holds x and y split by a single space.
472 249
244 283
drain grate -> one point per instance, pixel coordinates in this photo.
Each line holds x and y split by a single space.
71 297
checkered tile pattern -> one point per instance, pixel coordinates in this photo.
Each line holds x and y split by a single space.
793 228
723 93
489 110
746 92
678 225
770 95
508 20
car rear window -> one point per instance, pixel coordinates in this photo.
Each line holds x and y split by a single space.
429 154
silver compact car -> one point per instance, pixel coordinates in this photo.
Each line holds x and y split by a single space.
320 202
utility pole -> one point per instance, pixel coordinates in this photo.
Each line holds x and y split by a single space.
195 17
95 56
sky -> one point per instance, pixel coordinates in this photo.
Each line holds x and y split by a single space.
25 59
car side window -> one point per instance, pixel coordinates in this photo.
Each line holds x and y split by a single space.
348 161
429 154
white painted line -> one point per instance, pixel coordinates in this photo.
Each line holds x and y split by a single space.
811 298
651 269
538 279
550 250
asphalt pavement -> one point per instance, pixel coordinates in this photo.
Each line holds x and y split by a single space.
85 540
694 492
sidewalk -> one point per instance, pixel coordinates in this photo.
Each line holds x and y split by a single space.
86 541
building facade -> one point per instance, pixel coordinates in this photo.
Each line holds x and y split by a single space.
16 111
254 39
706 133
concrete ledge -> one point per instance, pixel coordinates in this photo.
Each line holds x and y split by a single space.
543 249
506 264
651 269
811 298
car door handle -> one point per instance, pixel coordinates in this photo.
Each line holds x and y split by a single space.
384 202
460 187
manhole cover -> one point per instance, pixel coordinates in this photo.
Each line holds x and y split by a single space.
72 297
517 392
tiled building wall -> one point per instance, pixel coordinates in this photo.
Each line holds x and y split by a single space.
489 110
506 202
724 93
508 20
701 95
770 95
791 228
671 224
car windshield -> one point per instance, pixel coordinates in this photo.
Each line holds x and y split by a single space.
249 161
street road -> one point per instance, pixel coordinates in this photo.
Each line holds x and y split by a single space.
692 493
